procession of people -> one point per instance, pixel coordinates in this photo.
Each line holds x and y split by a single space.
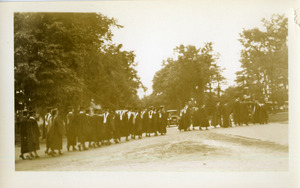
94 127
239 113
89 128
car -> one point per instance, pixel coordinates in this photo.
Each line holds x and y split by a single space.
173 118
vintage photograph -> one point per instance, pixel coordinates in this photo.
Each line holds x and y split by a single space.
152 86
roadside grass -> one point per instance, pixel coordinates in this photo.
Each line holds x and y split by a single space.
279 117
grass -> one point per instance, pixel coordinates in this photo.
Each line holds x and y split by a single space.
279 117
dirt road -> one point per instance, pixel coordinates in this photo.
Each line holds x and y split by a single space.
247 148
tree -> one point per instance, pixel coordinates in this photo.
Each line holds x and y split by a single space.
188 76
264 60
69 58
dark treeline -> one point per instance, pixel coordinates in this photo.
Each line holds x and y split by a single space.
66 59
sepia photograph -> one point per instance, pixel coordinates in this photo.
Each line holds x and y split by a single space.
192 87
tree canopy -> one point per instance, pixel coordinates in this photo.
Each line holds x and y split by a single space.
187 76
68 58
264 59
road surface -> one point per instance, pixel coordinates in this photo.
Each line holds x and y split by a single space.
246 148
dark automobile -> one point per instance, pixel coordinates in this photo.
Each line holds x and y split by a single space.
173 117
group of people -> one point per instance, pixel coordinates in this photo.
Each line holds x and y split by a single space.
98 127
95 127
240 113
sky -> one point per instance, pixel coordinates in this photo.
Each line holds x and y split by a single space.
153 29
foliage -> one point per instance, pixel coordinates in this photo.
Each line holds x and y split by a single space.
264 60
68 58
188 76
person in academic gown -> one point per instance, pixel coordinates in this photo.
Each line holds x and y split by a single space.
147 121
244 112
256 112
121 120
186 117
115 123
33 133
103 126
24 135
181 120
226 115
46 127
98 126
137 124
162 115
71 129
155 122
144 120
217 115
195 118
93 129
89 127
236 112
203 119
263 114
56 133
81 123
107 124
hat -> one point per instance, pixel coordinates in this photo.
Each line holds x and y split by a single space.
162 106
81 108
70 107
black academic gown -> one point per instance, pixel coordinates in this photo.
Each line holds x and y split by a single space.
116 127
71 130
81 126
124 129
24 135
155 122
217 116
256 112
195 118
236 112
244 113
56 134
203 119
33 134
226 116
162 122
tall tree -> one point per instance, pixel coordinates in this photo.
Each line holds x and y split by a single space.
187 76
264 60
